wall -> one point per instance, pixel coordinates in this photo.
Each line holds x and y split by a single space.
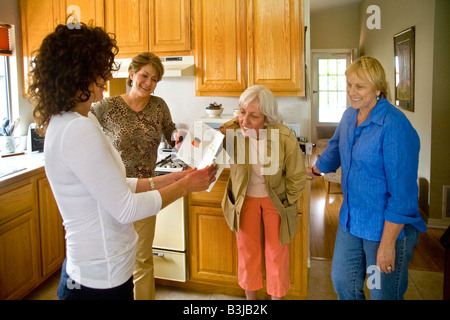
335 29
440 128
430 117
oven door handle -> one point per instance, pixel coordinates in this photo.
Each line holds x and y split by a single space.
161 255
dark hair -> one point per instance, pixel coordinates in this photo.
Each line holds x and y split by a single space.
64 66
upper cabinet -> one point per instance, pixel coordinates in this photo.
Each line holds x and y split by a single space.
170 26
39 18
128 19
275 45
240 43
220 47
159 26
236 43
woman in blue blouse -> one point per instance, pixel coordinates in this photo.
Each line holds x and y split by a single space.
378 151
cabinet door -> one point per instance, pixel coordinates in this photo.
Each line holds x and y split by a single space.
128 20
213 247
169 26
89 10
19 256
19 240
275 45
51 230
37 19
220 47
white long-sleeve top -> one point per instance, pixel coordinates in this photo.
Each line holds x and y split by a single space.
96 201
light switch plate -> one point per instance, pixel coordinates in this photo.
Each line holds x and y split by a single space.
308 148
295 127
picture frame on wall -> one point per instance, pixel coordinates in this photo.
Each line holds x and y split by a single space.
404 43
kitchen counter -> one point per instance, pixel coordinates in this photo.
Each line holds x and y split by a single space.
16 167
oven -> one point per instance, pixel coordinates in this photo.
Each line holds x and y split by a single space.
170 243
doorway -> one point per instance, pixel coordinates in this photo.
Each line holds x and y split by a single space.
329 98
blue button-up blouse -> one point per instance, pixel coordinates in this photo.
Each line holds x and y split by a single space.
379 161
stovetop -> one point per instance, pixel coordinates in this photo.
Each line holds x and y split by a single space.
168 162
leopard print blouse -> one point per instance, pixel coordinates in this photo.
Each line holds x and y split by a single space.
136 135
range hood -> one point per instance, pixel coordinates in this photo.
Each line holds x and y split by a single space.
173 67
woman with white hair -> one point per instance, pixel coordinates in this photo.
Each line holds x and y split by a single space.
267 177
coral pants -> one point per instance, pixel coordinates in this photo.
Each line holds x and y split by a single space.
249 246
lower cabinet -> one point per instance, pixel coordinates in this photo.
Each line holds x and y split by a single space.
31 234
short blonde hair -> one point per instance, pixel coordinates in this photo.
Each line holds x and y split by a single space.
143 59
372 70
267 103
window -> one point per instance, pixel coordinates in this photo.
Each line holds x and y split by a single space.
5 51
332 89
5 110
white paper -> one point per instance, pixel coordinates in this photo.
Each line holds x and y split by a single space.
200 148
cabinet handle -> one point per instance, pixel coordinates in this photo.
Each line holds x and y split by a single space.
161 255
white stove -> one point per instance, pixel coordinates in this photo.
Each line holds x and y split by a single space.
170 242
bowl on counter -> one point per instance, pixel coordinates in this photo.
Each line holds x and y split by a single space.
214 112
214 109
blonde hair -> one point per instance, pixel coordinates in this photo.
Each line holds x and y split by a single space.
143 59
372 70
267 102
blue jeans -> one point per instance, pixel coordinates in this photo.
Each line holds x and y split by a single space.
354 258
68 289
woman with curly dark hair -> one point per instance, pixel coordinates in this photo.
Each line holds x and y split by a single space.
97 202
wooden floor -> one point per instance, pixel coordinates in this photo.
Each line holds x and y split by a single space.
428 254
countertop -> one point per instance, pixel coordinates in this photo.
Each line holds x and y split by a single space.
16 166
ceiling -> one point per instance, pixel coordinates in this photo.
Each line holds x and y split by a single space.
316 5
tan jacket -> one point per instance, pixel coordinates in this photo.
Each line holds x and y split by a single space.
285 181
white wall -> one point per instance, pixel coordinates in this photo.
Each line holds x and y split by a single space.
397 16
185 107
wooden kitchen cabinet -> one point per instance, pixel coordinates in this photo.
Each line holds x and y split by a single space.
51 230
170 27
39 18
159 26
241 43
212 245
128 20
31 234
220 47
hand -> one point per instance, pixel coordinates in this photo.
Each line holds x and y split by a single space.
178 136
386 257
309 171
199 180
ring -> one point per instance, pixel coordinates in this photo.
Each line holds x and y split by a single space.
389 267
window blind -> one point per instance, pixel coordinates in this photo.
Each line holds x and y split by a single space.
5 42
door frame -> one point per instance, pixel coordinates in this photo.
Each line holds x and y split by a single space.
315 55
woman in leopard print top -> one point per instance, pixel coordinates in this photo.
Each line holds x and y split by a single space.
135 122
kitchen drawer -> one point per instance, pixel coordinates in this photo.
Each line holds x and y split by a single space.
15 202
170 265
